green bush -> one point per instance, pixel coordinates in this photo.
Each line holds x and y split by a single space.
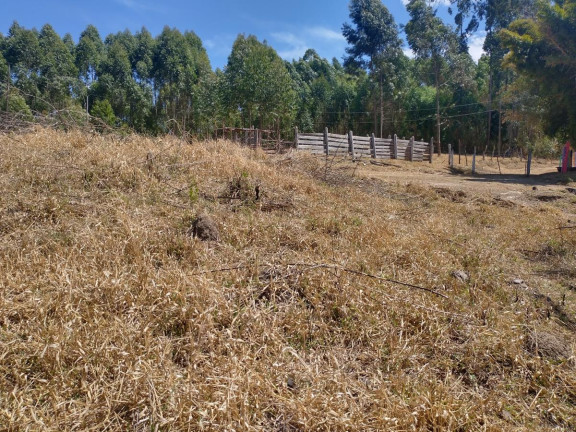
102 110
546 147
17 104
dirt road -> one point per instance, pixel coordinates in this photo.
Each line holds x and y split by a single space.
504 180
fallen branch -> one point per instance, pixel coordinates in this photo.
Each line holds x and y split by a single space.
359 273
336 267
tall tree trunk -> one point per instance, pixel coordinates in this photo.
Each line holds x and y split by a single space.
381 106
438 130
8 79
375 114
500 127
489 110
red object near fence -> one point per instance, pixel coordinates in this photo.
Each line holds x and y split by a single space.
565 157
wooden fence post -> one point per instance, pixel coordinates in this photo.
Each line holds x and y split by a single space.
411 149
373 146
431 148
395 147
529 163
450 156
326 148
474 162
296 137
351 143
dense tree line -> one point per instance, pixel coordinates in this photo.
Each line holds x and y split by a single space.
522 88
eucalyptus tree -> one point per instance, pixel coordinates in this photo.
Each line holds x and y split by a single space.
433 43
70 45
498 15
58 73
114 79
90 52
258 85
5 80
316 82
542 49
374 45
24 57
142 57
180 64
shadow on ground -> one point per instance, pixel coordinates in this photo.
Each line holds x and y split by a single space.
546 179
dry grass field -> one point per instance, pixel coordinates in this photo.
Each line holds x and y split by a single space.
334 297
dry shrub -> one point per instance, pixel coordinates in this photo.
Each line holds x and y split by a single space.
113 318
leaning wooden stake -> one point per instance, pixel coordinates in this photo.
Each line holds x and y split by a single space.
431 148
373 146
326 148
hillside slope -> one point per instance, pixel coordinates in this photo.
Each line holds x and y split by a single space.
113 316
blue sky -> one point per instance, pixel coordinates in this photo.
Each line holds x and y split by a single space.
290 26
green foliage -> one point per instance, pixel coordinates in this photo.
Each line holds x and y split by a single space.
89 54
165 83
58 74
193 193
3 69
17 104
374 39
103 110
181 65
543 49
258 85
547 147
375 45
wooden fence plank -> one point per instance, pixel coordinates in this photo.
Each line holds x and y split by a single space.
311 135
308 148
336 136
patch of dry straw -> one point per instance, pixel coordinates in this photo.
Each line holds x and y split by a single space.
113 318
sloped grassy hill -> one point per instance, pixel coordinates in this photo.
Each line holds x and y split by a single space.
113 317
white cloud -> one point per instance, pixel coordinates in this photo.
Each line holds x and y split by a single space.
326 34
475 45
137 5
292 45
287 38
433 3
325 41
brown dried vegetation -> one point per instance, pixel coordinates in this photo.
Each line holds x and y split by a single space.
113 318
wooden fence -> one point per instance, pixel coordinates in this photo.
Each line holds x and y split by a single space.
358 147
267 140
